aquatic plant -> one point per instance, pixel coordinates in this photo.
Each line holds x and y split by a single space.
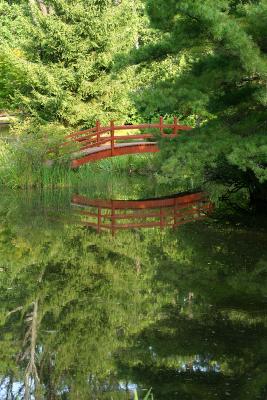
148 396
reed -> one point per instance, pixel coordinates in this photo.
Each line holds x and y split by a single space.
16 172
139 163
148 396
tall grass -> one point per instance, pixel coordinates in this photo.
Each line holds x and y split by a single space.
64 176
19 171
148 396
138 163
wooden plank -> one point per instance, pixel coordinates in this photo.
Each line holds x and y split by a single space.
136 149
118 151
97 127
93 137
96 144
112 133
131 127
78 133
133 137
147 126
87 144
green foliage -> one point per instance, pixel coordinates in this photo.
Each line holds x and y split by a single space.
26 157
219 88
65 57
182 311
61 65
57 69
85 311
148 396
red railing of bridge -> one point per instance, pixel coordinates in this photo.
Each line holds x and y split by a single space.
95 138
115 215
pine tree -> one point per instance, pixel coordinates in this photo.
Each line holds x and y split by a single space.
57 57
220 89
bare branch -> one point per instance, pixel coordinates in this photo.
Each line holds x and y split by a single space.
14 311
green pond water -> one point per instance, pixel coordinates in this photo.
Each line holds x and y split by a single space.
88 315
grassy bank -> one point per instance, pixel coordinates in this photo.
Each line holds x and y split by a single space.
63 176
23 173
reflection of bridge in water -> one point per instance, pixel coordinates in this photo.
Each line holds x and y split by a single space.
114 215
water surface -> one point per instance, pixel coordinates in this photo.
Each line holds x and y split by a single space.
88 315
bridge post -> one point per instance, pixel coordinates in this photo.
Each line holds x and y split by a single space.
113 218
175 123
161 218
161 125
174 213
112 138
98 132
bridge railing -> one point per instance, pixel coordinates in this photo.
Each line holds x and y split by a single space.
99 136
115 215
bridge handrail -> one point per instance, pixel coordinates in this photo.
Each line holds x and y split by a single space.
129 127
88 135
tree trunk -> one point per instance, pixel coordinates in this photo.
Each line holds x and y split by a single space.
45 10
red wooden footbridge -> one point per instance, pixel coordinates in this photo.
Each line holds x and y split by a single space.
102 142
115 215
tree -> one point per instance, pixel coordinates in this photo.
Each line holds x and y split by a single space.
64 52
56 68
220 89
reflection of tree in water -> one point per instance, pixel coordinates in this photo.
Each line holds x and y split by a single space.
180 311
92 294
213 346
31 374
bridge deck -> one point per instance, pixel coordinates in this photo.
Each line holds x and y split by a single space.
98 149
101 142
104 151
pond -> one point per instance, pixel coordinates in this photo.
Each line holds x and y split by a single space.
94 313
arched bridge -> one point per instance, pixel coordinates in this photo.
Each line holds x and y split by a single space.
100 142
115 215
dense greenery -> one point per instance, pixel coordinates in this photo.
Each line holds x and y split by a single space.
144 314
220 88
88 316
56 69
56 65
65 64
